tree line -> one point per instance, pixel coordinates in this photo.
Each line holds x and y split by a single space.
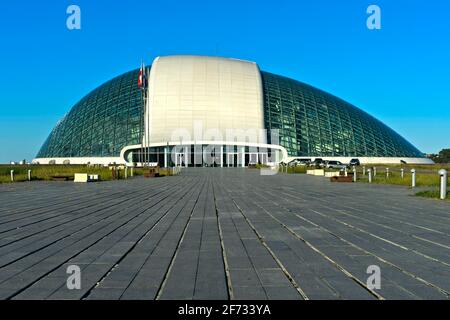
442 157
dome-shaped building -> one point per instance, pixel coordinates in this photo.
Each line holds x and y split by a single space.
219 111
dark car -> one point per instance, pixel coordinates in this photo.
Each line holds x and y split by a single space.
354 162
318 162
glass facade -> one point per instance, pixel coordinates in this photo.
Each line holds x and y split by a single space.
101 124
312 122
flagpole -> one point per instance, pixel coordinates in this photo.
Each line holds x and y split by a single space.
145 140
148 115
143 93
147 112
143 121
143 126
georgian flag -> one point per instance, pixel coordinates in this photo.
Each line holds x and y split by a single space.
142 77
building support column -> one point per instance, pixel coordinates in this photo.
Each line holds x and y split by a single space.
165 157
221 156
186 157
243 157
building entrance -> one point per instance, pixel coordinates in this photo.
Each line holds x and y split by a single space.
232 159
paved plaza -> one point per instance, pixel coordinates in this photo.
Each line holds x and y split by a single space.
212 233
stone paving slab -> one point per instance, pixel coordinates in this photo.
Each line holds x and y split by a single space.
231 233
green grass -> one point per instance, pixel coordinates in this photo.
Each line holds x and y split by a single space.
408 167
45 172
426 175
425 179
431 194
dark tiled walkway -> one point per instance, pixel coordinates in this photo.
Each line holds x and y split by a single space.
219 234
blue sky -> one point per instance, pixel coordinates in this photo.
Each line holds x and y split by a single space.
400 74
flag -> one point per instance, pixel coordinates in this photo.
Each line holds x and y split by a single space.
142 78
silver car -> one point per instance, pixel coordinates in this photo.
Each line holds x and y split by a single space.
335 165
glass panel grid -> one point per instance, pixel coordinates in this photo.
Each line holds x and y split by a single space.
315 123
100 124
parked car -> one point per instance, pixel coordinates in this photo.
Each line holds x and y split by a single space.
354 162
318 162
335 165
305 161
299 162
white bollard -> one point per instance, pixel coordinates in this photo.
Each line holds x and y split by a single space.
364 170
12 175
126 172
354 174
413 178
374 171
402 172
369 172
132 171
387 173
444 176
29 175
